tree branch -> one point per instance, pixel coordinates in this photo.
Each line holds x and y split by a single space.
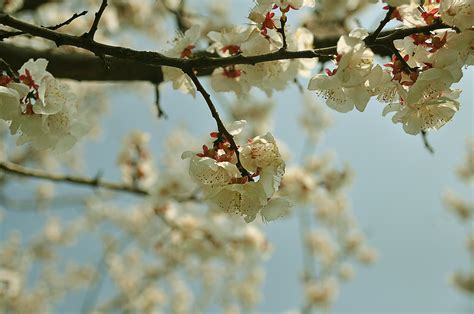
18 170
158 59
179 15
54 27
370 39
81 66
220 125
90 35
4 66
160 111
281 30
424 136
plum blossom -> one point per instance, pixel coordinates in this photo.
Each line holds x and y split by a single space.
41 109
135 160
350 83
217 172
183 46
268 76
458 13
303 39
228 43
425 115
265 6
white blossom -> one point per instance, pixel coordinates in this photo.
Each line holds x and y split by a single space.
182 48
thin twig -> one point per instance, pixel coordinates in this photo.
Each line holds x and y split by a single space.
7 68
424 136
220 125
161 113
19 170
301 89
179 14
54 27
281 30
394 50
67 22
400 58
90 35
370 39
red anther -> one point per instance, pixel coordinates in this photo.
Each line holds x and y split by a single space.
329 72
268 22
214 135
437 43
29 110
414 76
232 49
431 16
5 80
420 39
232 72
395 13
187 52
27 79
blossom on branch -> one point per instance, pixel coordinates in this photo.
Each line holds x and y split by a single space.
182 48
217 172
41 109
350 83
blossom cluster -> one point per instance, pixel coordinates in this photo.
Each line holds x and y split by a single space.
262 36
416 84
40 109
135 160
219 172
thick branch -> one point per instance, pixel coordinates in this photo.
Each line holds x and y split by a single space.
157 59
45 175
81 66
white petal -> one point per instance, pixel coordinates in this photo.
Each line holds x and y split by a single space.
236 127
276 208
